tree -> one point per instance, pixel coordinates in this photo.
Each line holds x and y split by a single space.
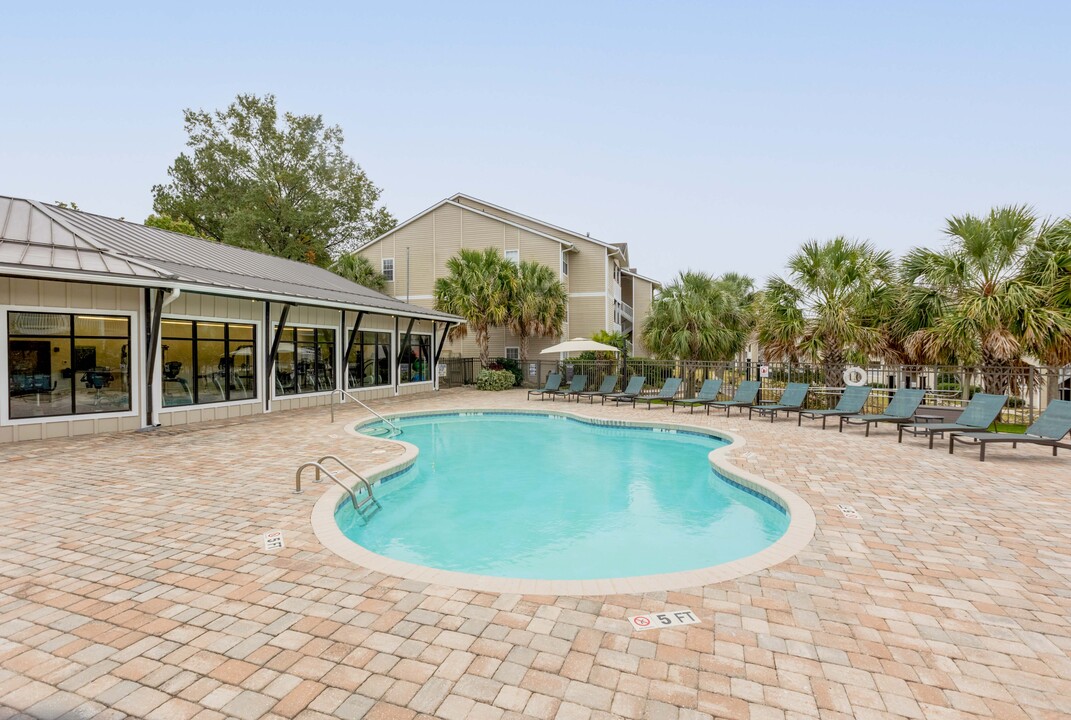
992 295
166 222
699 317
285 188
1049 266
537 306
831 308
479 287
360 270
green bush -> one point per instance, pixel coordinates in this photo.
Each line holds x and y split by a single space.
494 380
1016 402
512 365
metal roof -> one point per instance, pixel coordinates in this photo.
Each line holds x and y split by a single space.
52 240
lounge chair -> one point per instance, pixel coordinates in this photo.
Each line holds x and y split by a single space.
707 394
554 381
851 402
980 413
576 385
635 387
608 384
791 399
901 409
1049 429
745 396
669 389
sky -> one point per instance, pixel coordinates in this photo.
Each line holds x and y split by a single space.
714 136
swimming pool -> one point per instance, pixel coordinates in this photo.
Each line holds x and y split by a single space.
558 498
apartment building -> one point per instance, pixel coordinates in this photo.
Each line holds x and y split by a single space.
604 292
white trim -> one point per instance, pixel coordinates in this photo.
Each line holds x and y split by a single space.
537 220
589 294
625 271
473 210
43 273
158 377
516 252
346 379
424 297
506 350
134 350
430 360
315 393
383 268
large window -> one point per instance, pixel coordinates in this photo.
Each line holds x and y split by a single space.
306 361
207 362
65 364
369 360
416 359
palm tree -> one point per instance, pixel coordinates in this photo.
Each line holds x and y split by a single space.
360 270
992 295
830 309
537 307
699 317
479 287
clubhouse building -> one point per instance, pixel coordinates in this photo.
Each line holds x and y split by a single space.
107 325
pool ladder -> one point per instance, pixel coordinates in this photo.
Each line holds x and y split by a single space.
360 506
392 429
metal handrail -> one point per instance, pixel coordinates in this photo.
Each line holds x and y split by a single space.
320 468
357 400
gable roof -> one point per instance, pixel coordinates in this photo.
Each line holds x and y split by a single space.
44 241
476 211
633 273
609 246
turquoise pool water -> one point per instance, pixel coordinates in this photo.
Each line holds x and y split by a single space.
546 497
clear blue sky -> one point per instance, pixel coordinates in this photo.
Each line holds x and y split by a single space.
711 135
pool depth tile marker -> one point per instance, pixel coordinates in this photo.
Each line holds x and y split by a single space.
670 618
848 511
274 540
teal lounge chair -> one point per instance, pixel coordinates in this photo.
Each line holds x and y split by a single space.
791 399
1049 429
707 394
576 385
980 413
745 396
635 387
851 402
554 381
608 384
901 410
669 389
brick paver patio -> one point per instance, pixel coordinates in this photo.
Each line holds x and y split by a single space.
133 582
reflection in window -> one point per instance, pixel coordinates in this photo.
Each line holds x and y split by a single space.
415 365
305 362
207 362
60 364
369 360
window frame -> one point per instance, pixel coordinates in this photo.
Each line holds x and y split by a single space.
430 359
135 360
390 361
513 255
275 395
258 352
383 268
506 350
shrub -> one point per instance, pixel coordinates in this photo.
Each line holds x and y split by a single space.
513 366
494 380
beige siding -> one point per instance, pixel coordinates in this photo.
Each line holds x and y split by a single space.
642 297
587 315
514 218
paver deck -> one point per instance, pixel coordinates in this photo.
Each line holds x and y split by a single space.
133 582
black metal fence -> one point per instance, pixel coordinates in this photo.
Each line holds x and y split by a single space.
1029 387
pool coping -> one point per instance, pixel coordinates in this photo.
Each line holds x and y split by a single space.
800 531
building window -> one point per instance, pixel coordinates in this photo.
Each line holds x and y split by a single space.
514 256
388 269
565 266
306 361
415 365
513 353
369 360
61 364
207 362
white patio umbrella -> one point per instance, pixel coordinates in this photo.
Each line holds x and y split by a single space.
579 345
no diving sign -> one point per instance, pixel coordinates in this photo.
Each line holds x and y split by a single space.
663 620
273 540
